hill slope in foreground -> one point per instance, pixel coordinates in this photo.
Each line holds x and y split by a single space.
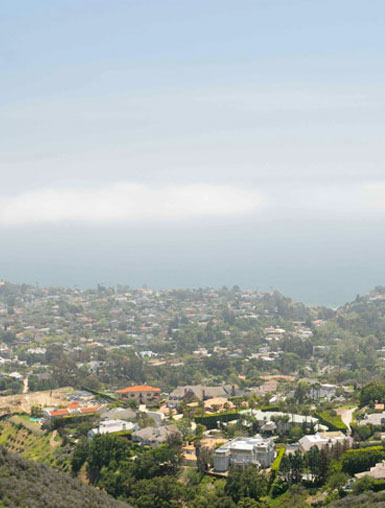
27 484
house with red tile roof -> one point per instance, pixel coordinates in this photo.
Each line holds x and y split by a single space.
140 393
56 413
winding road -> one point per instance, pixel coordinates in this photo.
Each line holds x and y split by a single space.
346 416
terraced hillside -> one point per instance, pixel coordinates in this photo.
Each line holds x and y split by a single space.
19 435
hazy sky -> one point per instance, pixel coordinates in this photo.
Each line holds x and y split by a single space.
194 143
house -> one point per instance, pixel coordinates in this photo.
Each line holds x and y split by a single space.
322 439
16 375
155 436
111 426
190 450
188 393
55 413
283 421
139 393
244 451
374 419
73 408
218 404
323 391
377 471
155 415
88 410
117 413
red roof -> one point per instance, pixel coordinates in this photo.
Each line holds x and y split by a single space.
89 409
139 389
73 405
59 412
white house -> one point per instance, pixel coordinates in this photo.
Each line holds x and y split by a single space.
111 426
323 391
244 451
322 439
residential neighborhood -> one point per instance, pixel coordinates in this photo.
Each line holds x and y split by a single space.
205 385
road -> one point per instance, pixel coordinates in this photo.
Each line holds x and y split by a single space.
346 416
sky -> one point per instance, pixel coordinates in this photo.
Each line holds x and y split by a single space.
193 144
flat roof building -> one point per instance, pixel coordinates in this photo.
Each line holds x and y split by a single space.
244 451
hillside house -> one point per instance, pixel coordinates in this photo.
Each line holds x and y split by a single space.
111 426
139 393
244 451
200 392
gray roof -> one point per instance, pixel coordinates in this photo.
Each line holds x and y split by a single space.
118 413
201 391
156 434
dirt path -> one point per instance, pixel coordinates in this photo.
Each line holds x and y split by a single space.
346 416
25 385
52 441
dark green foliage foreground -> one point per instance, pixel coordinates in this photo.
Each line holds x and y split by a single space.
27 484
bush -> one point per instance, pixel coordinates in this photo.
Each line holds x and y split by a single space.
278 487
364 432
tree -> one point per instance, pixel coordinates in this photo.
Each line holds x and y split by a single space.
337 481
245 483
295 433
301 392
313 462
292 466
79 456
297 465
248 502
204 458
363 484
160 492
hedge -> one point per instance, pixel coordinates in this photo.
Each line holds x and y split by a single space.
101 395
269 408
210 420
277 460
357 461
63 421
333 422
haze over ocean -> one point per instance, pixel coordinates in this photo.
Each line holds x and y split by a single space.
313 262
188 144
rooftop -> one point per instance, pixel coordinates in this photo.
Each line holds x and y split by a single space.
138 389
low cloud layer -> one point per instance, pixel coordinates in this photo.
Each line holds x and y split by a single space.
127 202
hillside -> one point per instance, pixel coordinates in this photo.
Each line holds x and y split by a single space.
18 435
366 500
26 484
365 315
